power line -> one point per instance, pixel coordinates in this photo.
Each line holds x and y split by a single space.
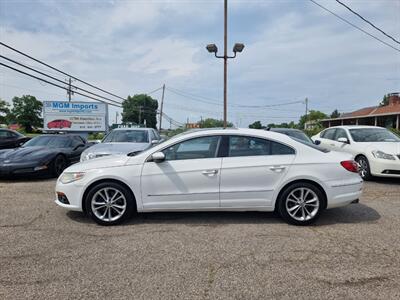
56 79
54 84
355 26
62 72
370 23
196 98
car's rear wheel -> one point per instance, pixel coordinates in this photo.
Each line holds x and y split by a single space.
58 165
301 203
363 167
109 203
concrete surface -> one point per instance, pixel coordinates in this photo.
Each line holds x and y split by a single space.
47 252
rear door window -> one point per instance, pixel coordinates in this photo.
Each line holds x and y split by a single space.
329 134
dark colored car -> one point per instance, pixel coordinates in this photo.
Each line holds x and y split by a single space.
44 154
11 139
59 124
295 133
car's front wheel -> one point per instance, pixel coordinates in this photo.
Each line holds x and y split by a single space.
109 203
301 203
363 167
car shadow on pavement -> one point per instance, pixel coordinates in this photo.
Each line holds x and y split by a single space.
355 213
386 180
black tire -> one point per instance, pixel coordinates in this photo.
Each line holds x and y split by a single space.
363 167
307 211
113 214
58 165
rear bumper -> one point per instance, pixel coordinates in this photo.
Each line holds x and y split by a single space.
341 193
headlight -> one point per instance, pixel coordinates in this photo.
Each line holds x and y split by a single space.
383 155
87 156
68 177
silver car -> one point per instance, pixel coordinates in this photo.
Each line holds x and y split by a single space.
123 141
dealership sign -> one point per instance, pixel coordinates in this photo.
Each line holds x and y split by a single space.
74 116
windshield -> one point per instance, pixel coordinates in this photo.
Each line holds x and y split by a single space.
363 135
49 141
127 136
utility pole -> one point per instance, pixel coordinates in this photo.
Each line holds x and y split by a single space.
140 115
305 121
161 107
116 117
69 91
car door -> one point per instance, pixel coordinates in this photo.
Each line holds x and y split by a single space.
188 178
251 170
340 146
327 138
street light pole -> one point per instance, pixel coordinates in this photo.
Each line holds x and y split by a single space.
212 48
225 62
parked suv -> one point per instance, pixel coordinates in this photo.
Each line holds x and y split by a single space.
375 149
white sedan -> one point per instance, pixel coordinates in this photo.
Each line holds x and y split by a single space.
375 149
214 170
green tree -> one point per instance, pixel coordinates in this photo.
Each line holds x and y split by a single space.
213 123
313 115
27 111
4 111
256 125
140 109
385 101
335 114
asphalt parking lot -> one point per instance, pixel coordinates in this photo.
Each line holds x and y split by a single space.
48 252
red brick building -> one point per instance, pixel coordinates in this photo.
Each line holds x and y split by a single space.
384 116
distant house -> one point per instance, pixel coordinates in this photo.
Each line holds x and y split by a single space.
383 116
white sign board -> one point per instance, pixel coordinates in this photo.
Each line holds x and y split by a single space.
74 116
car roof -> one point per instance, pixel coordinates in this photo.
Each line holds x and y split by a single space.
133 128
355 127
281 129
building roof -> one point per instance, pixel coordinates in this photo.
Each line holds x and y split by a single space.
393 108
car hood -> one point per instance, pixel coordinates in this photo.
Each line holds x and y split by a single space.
104 162
26 153
117 148
387 147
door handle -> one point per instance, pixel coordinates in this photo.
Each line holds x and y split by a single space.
332 145
209 172
277 168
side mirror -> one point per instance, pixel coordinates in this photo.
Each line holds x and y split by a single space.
158 157
343 140
153 142
317 142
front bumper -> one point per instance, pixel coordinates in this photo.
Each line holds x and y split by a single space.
73 192
15 169
385 168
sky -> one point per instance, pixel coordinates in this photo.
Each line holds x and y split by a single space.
293 50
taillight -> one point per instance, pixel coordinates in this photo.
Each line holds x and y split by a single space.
350 165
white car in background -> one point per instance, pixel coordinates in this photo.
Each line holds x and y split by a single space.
375 149
123 141
214 170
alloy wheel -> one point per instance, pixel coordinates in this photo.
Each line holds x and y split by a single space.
302 204
362 167
108 204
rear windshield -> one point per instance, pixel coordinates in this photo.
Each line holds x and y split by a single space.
311 145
